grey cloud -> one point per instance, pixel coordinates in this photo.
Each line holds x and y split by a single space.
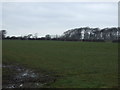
55 18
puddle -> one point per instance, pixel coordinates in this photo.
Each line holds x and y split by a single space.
20 77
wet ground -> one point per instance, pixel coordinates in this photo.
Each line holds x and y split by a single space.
16 76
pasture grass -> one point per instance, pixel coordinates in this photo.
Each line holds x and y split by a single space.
79 64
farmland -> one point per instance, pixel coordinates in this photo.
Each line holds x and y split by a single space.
77 64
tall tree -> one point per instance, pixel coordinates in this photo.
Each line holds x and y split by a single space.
3 34
48 37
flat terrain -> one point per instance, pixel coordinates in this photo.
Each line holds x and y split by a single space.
77 64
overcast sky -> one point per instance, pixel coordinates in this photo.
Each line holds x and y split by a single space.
22 18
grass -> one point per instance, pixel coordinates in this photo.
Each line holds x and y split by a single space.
81 64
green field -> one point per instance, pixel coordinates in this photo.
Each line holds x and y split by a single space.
78 64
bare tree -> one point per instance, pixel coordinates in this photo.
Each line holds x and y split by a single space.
29 36
48 37
3 34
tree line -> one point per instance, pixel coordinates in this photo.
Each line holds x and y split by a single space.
77 34
92 34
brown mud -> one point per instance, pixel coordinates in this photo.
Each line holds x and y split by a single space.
16 76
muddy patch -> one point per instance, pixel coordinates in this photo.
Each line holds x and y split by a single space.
16 76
